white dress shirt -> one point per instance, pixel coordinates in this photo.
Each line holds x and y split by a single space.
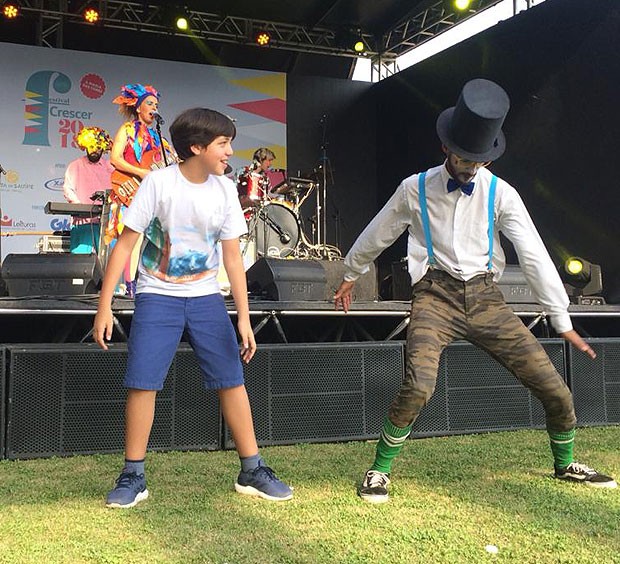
458 226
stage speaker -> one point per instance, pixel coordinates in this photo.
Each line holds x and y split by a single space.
401 281
53 274
2 400
69 399
365 289
481 395
286 280
318 393
596 383
514 286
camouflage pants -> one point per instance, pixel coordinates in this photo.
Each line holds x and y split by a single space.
444 309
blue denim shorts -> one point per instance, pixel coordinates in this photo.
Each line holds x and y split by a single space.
156 330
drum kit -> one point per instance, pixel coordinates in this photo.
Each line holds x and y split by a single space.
275 228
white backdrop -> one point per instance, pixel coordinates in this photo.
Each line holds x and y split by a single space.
48 95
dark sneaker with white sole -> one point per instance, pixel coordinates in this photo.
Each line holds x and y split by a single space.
576 472
262 482
130 490
374 487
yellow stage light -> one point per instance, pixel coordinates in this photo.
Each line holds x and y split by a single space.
462 4
263 38
182 23
583 281
91 15
359 46
10 11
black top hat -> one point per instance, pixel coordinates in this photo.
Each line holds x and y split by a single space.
472 129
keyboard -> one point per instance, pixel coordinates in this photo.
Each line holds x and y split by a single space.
76 210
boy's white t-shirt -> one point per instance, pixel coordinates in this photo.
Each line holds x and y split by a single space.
182 223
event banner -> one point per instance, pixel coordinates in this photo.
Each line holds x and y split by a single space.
48 95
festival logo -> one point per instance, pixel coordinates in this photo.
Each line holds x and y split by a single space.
58 224
37 104
55 184
92 86
5 220
17 224
13 184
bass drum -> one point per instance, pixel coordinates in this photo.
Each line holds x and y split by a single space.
276 231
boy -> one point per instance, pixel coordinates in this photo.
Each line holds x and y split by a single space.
183 210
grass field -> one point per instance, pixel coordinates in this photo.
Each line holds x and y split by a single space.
450 497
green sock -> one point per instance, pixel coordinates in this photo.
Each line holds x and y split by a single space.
562 447
390 444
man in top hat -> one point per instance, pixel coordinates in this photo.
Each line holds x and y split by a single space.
454 213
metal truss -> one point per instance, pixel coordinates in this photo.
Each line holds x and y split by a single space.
146 17
149 18
427 24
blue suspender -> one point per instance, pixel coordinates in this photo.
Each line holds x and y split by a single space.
426 224
491 212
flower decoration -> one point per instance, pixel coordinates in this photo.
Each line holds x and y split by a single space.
93 139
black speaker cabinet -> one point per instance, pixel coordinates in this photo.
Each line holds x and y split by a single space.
401 281
287 280
596 383
69 399
51 274
317 393
2 400
365 288
481 395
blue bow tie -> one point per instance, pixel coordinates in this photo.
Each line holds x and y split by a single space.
465 188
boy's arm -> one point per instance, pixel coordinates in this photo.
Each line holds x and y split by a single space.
233 263
102 326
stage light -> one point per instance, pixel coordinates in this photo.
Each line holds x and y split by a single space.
10 10
91 15
583 281
461 5
359 46
263 38
182 23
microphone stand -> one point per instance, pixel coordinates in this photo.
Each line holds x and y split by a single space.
159 121
2 171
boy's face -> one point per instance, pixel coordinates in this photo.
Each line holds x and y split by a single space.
214 157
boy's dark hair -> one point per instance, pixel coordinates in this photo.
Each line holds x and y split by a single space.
199 126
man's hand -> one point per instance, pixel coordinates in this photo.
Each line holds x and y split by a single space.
574 339
102 327
343 297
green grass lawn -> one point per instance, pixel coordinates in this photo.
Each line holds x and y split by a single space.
450 497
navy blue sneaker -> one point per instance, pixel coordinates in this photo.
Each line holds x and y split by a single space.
263 482
130 490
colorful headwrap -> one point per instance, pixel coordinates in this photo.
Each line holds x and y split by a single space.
134 94
93 139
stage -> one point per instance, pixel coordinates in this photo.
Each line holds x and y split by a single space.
68 319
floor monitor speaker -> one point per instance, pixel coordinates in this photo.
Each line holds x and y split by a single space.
287 280
51 274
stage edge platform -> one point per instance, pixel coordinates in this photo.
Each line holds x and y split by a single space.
69 320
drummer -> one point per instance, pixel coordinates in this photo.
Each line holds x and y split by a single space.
253 184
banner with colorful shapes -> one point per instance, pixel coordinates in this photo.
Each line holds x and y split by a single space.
48 95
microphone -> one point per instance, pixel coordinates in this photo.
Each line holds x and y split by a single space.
157 116
285 238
